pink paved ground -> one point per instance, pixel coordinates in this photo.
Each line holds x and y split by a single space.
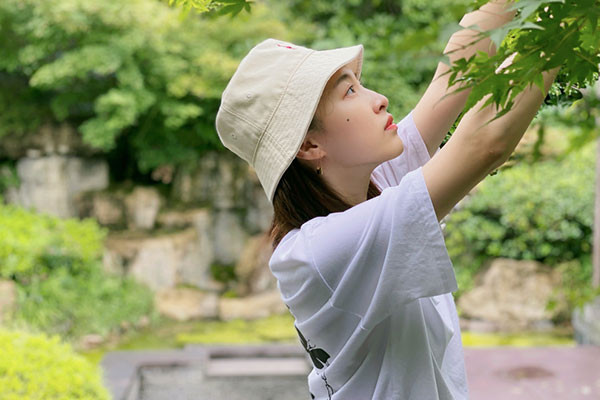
534 373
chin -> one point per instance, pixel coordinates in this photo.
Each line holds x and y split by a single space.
401 147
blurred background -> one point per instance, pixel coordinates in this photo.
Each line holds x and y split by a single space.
126 225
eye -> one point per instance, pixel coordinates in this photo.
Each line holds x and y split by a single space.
352 87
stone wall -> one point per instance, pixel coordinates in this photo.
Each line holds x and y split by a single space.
50 184
216 216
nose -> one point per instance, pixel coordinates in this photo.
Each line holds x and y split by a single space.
381 103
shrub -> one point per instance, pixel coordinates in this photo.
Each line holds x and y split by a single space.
35 366
130 76
73 305
542 211
62 287
34 244
577 289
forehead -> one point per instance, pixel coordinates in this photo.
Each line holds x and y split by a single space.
342 74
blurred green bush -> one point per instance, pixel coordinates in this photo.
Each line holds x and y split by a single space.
133 78
74 305
35 244
403 40
35 366
62 287
144 86
541 211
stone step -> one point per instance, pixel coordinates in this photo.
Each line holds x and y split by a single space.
257 366
280 372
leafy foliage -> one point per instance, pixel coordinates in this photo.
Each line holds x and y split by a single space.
35 366
62 287
576 287
74 305
544 34
403 41
129 73
8 176
36 244
543 211
537 212
581 117
223 7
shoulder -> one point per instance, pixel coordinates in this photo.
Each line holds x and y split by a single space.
293 247
292 264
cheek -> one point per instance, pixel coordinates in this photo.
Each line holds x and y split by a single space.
349 136
349 146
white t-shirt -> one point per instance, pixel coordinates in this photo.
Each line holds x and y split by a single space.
370 291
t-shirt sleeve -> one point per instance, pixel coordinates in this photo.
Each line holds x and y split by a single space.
382 253
414 155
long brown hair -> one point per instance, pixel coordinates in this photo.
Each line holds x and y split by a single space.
302 195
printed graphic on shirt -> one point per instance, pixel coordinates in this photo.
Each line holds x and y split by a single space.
319 358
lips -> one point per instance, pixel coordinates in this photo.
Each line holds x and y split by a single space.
389 123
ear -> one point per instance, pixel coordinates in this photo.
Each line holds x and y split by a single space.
310 149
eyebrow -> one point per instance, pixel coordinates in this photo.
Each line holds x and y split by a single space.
344 76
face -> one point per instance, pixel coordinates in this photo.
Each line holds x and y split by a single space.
353 140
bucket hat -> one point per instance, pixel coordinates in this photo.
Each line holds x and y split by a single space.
269 102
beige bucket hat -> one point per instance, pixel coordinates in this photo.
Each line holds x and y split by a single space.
270 100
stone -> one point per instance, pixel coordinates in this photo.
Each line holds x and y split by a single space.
252 269
107 207
218 178
85 174
113 262
88 342
143 322
252 307
8 298
202 223
184 304
51 184
33 153
182 218
586 323
107 210
229 237
260 214
239 205
155 264
221 239
478 325
142 206
512 294
198 255
161 261
226 182
194 266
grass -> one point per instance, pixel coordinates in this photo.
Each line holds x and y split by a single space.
167 334
528 339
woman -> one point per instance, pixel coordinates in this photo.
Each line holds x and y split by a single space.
359 254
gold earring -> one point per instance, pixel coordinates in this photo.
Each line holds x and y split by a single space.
319 171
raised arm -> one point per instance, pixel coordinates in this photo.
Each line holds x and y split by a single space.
433 115
476 149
